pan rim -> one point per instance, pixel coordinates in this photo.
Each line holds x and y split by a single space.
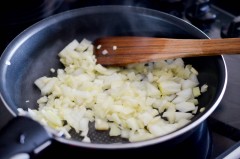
8 53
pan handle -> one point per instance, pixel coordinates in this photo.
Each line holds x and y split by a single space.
22 136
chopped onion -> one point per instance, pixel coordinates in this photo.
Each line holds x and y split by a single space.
138 102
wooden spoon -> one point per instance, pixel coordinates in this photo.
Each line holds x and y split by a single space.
125 50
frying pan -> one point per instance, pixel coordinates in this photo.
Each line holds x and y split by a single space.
32 53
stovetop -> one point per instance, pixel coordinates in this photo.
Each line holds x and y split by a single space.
215 18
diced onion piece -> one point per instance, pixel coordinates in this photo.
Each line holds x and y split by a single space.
202 109
196 91
83 45
195 110
132 124
183 96
188 84
105 52
86 139
99 46
141 135
170 115
101 124
52 70
169 87
181 115
125 133
83 124
70 47
157 130
52 117
114 47
185 106
114 130
204 88
146 117
194 71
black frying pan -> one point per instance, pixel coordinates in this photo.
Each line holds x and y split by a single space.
35 50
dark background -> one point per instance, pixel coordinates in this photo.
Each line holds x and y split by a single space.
223 124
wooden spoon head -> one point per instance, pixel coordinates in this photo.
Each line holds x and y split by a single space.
123 50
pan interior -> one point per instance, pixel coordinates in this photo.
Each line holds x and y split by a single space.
34 52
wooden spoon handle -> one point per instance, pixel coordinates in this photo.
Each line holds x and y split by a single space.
145 49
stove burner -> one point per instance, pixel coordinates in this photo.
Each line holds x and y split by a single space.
200 13
232 30
16 16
